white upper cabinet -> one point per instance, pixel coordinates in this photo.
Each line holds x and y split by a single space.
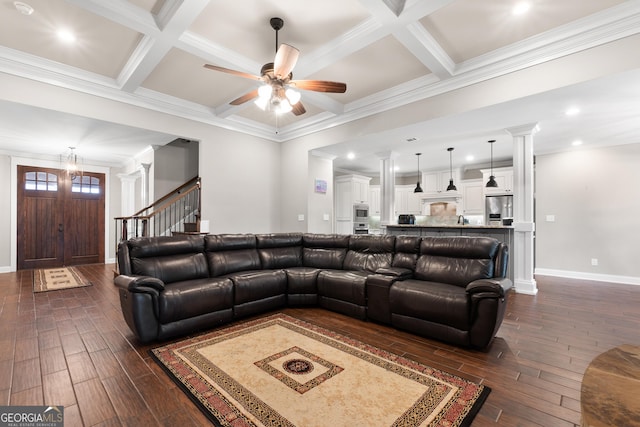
350 190
436 182
472 197
374 199
406 201
504 178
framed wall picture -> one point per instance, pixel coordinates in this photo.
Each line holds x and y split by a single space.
321 186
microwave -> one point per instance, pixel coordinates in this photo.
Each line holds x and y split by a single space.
360 213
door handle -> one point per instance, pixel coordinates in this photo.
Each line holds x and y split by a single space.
60 228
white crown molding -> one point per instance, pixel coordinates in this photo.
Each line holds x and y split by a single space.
598 29
122 12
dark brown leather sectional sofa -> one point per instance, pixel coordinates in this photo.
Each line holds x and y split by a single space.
448 288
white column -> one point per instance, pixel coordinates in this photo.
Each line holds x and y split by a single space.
387 187
128 193
145 184
522 253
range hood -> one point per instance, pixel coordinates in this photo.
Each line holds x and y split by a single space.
444 196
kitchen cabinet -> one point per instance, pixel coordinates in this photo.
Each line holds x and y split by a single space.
504 178
472 197
434 182
374 200
344 227
350 190
406 201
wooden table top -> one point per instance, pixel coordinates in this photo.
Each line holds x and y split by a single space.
610 394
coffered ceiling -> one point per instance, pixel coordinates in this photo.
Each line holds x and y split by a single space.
150 53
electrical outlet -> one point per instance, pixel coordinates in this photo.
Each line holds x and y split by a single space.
594 261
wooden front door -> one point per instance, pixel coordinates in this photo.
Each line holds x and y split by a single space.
60 218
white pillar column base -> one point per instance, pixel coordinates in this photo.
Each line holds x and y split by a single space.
522 254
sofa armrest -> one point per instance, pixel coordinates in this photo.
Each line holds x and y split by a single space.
498 287
139 283
396 272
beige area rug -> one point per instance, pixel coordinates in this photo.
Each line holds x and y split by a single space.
280 371
52 279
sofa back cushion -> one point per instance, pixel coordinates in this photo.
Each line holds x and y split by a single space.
324 250
168 258
406 252
456 260
281 250
369 252
230 253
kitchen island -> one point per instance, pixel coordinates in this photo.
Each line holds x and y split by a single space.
502 233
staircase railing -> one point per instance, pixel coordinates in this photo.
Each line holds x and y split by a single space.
177 211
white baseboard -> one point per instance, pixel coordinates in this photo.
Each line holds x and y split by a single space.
6 269
610 278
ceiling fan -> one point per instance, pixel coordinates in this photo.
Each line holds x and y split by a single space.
278 90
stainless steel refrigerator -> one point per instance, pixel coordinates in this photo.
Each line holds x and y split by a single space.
499 210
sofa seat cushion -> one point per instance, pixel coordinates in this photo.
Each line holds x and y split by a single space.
431 301
347 286
302 280
256 285
190 298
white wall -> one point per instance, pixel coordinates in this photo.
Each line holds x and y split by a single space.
594 197
320 207
173 165
5 213
240 183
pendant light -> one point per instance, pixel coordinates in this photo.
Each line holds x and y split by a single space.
492 179
451 187
418 188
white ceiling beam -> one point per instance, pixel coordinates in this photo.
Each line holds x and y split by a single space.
176 17
426 49
400 20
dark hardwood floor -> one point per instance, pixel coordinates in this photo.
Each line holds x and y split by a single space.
73 348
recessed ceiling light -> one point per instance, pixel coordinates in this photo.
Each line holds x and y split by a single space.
66 35
573 111
521 8
469 158
351 156
412 139
23 8
576 143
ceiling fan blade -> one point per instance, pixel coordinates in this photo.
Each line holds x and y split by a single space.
286 59
298 109
246 97
320 86
234 72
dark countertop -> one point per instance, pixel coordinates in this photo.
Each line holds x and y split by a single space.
449 226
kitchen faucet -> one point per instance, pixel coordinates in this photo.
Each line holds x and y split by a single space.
461 219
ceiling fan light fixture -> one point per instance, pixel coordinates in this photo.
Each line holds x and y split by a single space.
265 91
293 96
283 106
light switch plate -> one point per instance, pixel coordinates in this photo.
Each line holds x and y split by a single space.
551 218
301 217
325 217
